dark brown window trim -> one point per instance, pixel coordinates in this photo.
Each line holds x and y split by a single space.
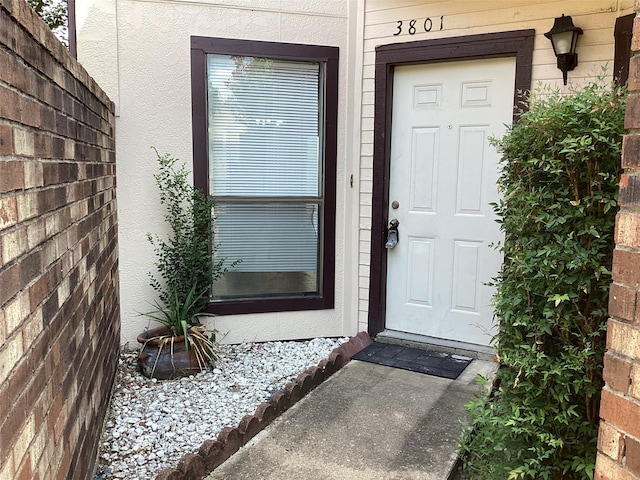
622 34
71 28
518 44
200 47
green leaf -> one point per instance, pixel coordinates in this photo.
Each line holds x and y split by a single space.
559 183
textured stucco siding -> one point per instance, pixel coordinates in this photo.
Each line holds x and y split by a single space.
139 51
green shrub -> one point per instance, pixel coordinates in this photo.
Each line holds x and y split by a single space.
185 257
559 185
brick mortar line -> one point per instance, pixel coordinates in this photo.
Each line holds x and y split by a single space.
620 356
55 135
623 358
617 428
51 81
45 188
41 247
628 249
42 102
52 264
81 286
623 396
9 158
212 453
629 209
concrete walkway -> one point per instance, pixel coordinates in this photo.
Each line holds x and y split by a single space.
366 422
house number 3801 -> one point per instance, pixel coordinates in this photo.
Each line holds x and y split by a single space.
411 28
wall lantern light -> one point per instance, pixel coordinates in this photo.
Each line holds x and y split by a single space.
564 36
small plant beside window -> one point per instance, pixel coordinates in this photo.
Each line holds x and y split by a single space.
185 271
559 184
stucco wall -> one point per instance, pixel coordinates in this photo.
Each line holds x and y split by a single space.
595 48
139 51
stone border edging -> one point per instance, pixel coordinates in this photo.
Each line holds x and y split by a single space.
212 453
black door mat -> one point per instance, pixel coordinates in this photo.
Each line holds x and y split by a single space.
439 364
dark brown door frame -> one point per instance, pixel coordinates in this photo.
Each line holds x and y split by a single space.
518 44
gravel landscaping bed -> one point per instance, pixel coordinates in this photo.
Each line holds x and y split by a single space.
152 424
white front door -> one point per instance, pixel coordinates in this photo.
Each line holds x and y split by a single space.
442 181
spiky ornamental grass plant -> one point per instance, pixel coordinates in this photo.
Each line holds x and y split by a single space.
559 185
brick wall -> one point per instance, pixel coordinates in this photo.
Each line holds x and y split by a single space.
59 313
619 438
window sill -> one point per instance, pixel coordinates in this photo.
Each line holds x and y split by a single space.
288 304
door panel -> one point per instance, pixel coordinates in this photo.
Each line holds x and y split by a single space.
443 177
465 293
424 153
469 194
420 271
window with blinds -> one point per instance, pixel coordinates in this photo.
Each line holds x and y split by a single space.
270 163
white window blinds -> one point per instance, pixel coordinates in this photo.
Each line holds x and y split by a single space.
263 127
265 162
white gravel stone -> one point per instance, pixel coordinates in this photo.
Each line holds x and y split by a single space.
152 424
